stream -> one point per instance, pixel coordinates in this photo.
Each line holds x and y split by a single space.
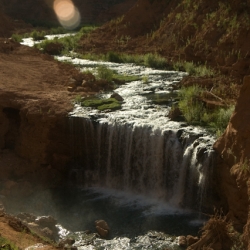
146 175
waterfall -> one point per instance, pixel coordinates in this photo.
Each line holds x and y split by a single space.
169 164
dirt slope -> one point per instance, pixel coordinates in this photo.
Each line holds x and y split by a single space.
7 25
214 32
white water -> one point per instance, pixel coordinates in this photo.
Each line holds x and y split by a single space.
138 149
162 168
29 41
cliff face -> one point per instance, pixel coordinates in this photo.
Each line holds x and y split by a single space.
234 168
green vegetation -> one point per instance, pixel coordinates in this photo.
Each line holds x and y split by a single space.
66 44
148 60
196 112
195 70
17 38
6 244
38 35
145 79
155 61
101 104
190 105
104 73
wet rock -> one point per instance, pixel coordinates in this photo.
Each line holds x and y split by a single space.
117 97
182 241
46 221
26 217
175 114
17 224
67 241
191 240
48 233
102 228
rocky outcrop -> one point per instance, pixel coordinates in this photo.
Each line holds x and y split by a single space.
34 103
234 166
102 228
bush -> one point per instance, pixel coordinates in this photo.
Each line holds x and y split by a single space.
192 69
155 61
195 112
113 57
36 35
218 120
6 244
104 73
190 105
17 38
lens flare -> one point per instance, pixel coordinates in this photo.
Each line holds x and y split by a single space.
67 14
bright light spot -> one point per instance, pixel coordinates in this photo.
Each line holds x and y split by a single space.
67 14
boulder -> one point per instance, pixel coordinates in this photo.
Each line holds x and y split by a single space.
102 228
191 240
117 97
182 241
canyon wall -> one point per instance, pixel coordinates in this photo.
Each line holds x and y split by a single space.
233 164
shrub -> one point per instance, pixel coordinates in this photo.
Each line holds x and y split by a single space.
113 57
218 120
36 35
192 69
190 105
104 73
6 244
155 61
17 38
195 112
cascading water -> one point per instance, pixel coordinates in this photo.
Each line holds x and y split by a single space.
170 165
138 149
137 169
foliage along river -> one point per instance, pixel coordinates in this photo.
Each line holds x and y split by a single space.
134 167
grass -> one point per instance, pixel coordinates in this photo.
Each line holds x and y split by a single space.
68 43
104 73
6 244
194 70
101 104
126 78
196 113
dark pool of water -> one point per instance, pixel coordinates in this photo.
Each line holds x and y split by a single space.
127 214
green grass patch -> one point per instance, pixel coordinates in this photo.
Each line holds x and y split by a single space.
196 113
6 244
110 106
68 43
193 69
148 60
104 73
101 104
126 78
